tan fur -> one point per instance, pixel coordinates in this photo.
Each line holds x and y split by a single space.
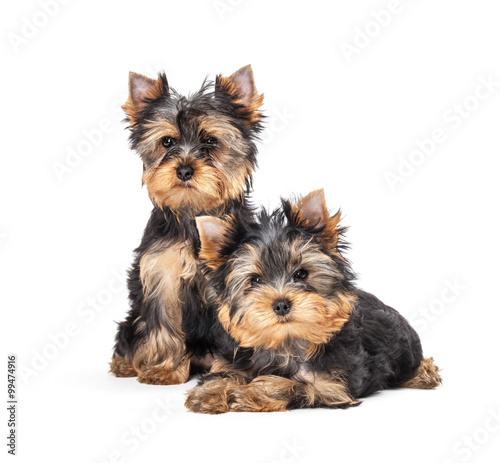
151 147
217 179
161 358
311 317
273 393
312 211
220 127
121 367
165 373
133 107
156 130
221 365
329 389
314 319
212 232
208 189
263 394
252 101
267 393
212 185
212 397
426 377
160 271
247 266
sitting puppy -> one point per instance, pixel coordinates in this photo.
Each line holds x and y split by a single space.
294 331
198 154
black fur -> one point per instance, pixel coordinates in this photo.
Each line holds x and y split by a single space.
166 226
182 110
376 349
197 317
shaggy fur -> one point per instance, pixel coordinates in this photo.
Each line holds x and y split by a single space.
294 330
198 154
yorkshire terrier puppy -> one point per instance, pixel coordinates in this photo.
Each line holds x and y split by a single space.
294 331
198 154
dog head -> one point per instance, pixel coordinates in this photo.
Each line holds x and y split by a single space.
282 278
198 152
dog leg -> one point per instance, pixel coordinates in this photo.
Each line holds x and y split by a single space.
161 357
426 377
121 367
274 393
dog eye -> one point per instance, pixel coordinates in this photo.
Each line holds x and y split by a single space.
210 141
300 274
168 142
254 281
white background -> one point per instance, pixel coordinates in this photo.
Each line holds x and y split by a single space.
348 121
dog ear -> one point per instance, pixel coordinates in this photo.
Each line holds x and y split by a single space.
215 238
311 212
141 91
240 86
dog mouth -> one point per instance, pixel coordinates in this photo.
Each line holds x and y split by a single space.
284 319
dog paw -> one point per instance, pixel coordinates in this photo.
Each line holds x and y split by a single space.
212 397
160 376
121 367
254 398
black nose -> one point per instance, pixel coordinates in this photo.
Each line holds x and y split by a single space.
184 173
282 307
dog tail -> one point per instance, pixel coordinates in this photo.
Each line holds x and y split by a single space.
426 377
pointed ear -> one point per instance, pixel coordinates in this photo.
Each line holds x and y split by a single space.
142 90
214 237
241 87
311 212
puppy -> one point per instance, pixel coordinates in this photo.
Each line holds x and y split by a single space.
293 330
198 154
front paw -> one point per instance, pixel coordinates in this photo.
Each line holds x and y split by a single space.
160 376
121 367
212 397
255 398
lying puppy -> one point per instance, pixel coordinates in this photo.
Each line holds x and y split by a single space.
294 331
